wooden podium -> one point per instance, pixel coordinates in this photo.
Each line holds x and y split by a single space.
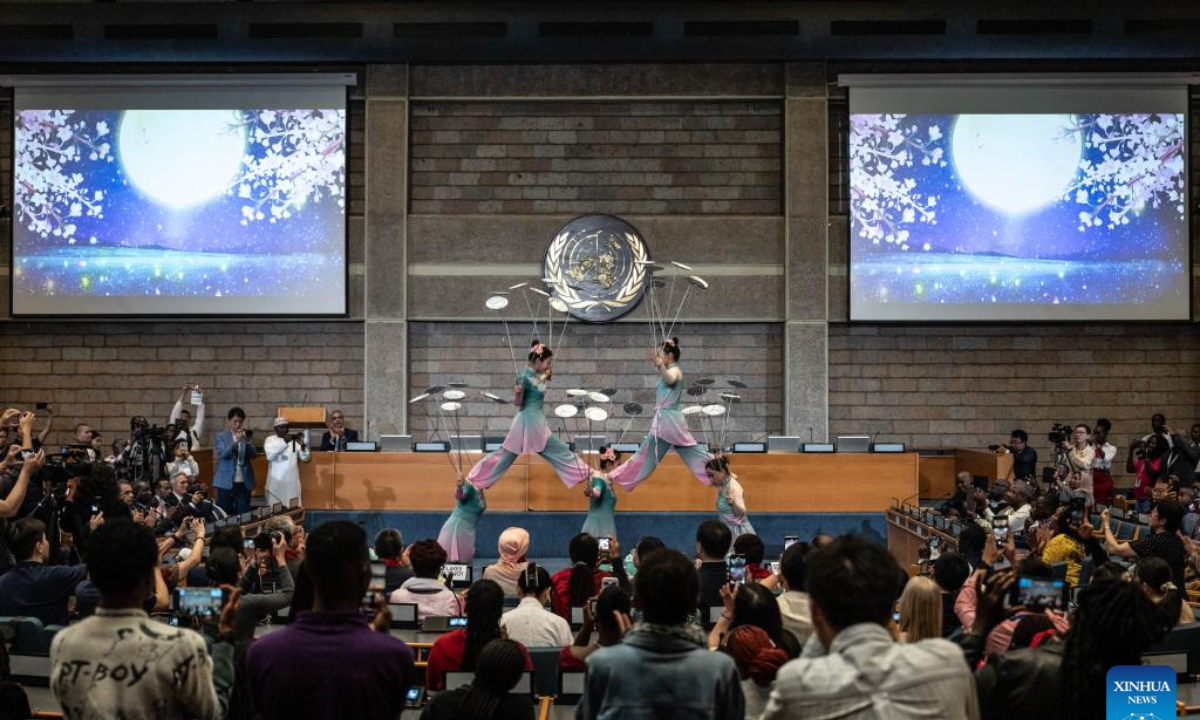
983 463
303 417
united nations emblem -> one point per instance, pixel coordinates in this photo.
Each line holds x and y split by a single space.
596 266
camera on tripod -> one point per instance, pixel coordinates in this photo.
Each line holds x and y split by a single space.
1059 433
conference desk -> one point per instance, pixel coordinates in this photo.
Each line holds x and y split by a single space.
785 483
907 535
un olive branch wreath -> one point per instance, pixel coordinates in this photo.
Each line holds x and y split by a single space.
629 290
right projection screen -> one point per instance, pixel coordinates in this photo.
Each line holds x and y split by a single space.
1013 202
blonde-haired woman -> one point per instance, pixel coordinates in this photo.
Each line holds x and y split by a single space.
920 610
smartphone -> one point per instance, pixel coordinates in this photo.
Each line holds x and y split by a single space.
415 696
202 602
774 568
378 578
609 582
605 546
1036 592
26 454
896 617
592 606
1000 530
737 569
457 623
790 540
248 544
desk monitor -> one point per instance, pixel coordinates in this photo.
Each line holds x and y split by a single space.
853 443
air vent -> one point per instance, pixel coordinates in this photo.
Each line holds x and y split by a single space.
735 28
887 27
1034 27
466 30
1190 27
291 31
36 32
160 32
600 29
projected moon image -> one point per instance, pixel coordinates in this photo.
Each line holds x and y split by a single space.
1016 163
181 159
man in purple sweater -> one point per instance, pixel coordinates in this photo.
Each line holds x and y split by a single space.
329 663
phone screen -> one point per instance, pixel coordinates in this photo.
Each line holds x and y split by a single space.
1000 530
457 622
199 601
609 582
790 540
414 694
737 569
604 545
457 572
1039 593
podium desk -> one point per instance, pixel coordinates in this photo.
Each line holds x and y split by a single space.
983 463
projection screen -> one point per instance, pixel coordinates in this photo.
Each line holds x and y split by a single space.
179 195
1018 202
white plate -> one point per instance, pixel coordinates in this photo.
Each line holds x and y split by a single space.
418 398
596 414
566 412
496 302
492 397
453 395
681 266
540 291
693 410
698 281
598 397
714 410
451 407
576 392
518 286
558 305
730 396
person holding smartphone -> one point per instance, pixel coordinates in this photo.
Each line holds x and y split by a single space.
234 454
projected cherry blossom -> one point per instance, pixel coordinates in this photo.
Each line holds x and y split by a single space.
179 203
964 212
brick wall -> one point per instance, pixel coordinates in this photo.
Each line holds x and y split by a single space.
596 157
961 385
595 357
104 373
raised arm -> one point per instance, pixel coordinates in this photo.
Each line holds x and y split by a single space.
45 433
11 504
198 423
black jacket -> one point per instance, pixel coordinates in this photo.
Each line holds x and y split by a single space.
1019 683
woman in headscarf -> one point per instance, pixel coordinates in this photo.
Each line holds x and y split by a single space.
512 547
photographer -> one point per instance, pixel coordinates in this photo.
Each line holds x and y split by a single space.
268 574
284 453
183 461
1147 462
1024 457
148 449
234 476
1073 475
181 417
95 499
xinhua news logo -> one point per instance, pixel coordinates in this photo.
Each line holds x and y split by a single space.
1140 692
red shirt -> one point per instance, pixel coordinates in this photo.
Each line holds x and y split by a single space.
758 572
446 655
569 663
560 601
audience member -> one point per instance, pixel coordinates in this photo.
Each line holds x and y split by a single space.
1000 637
183 462
1017 506
329 663
575 585
14 498
1146 462
188 430
964 490
971 541
512 547
1166 520
459 650
920 610
950 571
433 599
1191 512
712 545
793 603
662 669
234 477
338 435
1154 576
1113 625
120 664
852 586
34 588
1102 479
489 696
758 661
267 585
530 623
389 548
612 619
1073 543
751 546
293 539
749 604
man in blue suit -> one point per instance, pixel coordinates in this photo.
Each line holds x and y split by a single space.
234 478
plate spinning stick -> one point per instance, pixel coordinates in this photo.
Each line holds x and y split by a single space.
498 302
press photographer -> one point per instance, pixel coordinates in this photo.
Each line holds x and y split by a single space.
1074 458
149 449
1024 457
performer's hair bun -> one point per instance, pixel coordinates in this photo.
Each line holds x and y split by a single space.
720 463
538 351
671 345
609 456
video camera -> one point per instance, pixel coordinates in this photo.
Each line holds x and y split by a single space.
1059 433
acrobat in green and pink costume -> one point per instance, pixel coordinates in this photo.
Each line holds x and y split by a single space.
668 430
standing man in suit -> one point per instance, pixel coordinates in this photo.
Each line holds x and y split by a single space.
336 437
235 475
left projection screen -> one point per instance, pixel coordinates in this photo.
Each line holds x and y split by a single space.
177 196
